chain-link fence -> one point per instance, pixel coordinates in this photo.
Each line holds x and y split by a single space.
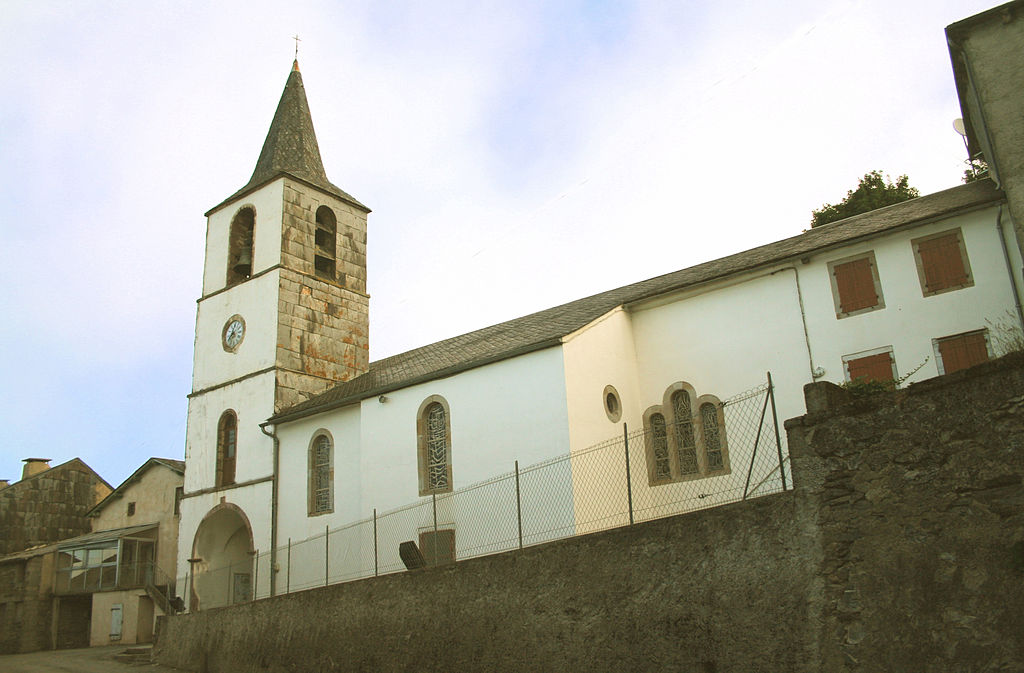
641 475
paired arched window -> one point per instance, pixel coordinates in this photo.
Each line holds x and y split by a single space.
324 257
685 436
240 245
227 445
321 474
434 446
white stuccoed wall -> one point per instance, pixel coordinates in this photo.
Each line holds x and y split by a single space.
253 300
601 354
268 202
253 402
503 412
253 500
910 320
724 337
721 339
252 399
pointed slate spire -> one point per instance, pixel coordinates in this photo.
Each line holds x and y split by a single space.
291 147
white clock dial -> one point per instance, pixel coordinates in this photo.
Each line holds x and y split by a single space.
234 331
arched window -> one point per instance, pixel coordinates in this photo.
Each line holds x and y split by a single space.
712 421
659 448
240 241
321 475
682 445
686 446
434 444
326 240
227 440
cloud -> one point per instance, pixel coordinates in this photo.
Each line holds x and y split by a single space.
516 156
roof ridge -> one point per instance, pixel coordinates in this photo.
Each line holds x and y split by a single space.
544 328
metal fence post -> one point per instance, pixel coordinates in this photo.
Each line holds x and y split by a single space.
288 575
375 562
327 554
519 508
629 479
256 577
188 587
433 499
757 441
778 439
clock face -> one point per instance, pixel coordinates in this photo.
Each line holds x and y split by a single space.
234 332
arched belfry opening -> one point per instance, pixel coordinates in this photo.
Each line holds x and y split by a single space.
240 241
222 559
326 242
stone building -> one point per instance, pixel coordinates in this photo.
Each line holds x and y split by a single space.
48 504
989 73
291 430
105 586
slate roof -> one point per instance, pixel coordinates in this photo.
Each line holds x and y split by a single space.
104 535
291 148
78 541
547 328
39 475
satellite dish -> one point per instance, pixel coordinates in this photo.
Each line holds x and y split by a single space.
958 126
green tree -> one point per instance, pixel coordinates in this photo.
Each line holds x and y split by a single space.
977 171
873 191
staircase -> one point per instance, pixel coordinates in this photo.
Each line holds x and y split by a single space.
136 655
160 588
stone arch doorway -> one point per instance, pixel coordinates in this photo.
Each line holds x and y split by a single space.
222 557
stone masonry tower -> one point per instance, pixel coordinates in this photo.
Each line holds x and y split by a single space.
283 315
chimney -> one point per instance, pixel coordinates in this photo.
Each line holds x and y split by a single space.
4 484
35 466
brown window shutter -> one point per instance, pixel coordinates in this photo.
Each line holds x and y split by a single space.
963 351
871 368
942 262
856 285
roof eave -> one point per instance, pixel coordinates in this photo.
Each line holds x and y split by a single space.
423 378
134 476
337 192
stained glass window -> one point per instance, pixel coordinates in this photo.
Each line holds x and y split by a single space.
659 442
687 447
320 476
712 436
227 439
437 448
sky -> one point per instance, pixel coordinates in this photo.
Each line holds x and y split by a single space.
516 156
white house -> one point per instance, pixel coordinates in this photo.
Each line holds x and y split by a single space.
292 431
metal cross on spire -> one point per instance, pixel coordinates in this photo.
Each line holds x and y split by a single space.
297 40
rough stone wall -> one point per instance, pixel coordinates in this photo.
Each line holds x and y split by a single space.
323 328
49 506
900 549
722 591
920 509
26 610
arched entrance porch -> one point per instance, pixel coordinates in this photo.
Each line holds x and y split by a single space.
222 557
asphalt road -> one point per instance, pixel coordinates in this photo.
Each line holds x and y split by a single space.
89 660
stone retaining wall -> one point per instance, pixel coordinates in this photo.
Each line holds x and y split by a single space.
901 548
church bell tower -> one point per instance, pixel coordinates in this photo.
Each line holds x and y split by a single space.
283 315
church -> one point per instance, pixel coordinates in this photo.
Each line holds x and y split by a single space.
294 432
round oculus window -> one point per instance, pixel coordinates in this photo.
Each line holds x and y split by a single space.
612 405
